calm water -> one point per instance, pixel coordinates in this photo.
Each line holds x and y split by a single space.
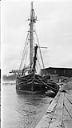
22 110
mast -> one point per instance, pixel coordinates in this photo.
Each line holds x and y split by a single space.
32 21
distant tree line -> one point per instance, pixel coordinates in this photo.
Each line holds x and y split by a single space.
9 77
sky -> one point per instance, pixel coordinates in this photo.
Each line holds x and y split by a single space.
54 30
0 34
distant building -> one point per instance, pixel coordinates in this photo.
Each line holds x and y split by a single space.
57 71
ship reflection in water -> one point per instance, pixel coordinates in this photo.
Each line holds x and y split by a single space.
22 110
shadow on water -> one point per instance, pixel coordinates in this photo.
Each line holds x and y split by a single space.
34 99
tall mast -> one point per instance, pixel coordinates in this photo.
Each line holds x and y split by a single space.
32 21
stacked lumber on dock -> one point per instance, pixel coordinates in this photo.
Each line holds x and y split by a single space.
59 113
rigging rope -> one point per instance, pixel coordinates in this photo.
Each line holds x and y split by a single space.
39 49
38 62
25 57
23 54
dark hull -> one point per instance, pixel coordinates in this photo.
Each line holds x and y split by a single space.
34 84
30 83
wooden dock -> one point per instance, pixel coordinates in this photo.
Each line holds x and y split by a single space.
59 113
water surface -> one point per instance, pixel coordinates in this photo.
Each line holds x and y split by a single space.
22 110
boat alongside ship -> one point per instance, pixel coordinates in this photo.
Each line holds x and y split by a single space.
27 78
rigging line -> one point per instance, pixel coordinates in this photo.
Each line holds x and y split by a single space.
25 57
37 57
38 67
38 62
39 49
24 50
26 43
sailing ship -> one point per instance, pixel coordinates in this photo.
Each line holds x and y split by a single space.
28 80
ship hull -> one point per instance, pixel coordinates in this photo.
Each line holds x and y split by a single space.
33 83
30 84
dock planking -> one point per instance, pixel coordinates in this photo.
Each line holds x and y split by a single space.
59 112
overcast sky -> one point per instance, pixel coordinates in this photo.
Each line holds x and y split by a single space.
0 34
54 30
